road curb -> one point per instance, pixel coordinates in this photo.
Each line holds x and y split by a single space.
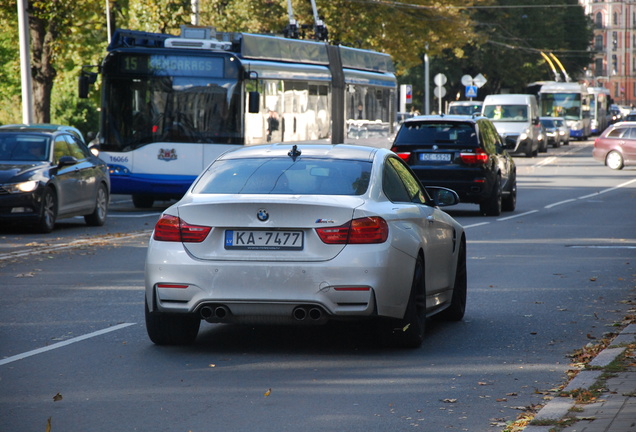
559 407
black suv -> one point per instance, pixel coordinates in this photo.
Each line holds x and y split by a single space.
462 153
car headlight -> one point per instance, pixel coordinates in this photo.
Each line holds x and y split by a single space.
523 136
28 186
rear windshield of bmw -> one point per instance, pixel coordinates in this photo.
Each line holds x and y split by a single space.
439 133
305 176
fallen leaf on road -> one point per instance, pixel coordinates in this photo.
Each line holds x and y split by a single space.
268 392
449 400
57 397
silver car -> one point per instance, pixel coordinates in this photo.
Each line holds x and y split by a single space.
305 234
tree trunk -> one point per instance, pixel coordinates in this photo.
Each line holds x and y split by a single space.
42 34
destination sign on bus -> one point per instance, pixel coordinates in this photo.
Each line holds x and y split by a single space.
168 65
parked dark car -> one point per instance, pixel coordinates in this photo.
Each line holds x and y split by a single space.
465 154
48 173
616 146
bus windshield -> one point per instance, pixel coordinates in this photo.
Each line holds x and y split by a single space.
170 99
567 105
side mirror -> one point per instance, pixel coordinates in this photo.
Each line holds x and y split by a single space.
443 197
254 102
66 161
85 80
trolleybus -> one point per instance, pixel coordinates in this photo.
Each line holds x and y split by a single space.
570 101
172 104
599 108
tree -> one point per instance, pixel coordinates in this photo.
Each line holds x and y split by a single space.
53 27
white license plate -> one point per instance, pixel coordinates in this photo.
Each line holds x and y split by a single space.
263 240
442 157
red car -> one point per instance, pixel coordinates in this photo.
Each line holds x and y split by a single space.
616 146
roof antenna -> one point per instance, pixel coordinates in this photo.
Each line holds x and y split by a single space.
294 153
320 29
291 31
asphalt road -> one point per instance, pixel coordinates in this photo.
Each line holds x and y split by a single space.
545 280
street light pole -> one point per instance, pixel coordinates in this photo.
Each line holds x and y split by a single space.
427 105
25 63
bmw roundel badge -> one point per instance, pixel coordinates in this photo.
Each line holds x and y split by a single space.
262 215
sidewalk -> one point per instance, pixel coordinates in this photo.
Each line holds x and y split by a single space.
614 410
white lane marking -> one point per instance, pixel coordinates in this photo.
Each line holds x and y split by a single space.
607 190
549 206
603 247
64 343
475 225
546 161
517 216
134 215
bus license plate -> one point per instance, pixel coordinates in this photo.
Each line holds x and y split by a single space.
436 157
263 240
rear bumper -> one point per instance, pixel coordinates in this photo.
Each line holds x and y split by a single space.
363 280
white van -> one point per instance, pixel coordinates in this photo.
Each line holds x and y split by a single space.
516 117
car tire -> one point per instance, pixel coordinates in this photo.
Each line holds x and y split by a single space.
409 331
509 202
98 216
171 328
48 211
557 144
142 201
457 308
492 205
614 160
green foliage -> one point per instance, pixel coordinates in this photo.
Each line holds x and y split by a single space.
460 36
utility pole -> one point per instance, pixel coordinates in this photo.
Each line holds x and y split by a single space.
25 63
427 103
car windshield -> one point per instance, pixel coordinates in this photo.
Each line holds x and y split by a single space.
440 133
304 176
464 109
547 123
509 113
23 147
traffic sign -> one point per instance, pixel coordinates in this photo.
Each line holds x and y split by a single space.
467 80
439 92
440 79
480 80
471 91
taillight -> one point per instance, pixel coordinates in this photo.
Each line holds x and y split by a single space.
401 154
479 157
173 229
357 231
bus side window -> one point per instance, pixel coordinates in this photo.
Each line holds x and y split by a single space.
254 102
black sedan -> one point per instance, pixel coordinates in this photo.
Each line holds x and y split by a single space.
462 153
48 174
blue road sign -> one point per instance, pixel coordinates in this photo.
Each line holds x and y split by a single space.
471 91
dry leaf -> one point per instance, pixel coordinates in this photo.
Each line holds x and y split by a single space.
449 400
268 392
48 425
57 397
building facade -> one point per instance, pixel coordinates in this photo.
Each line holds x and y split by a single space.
614 45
